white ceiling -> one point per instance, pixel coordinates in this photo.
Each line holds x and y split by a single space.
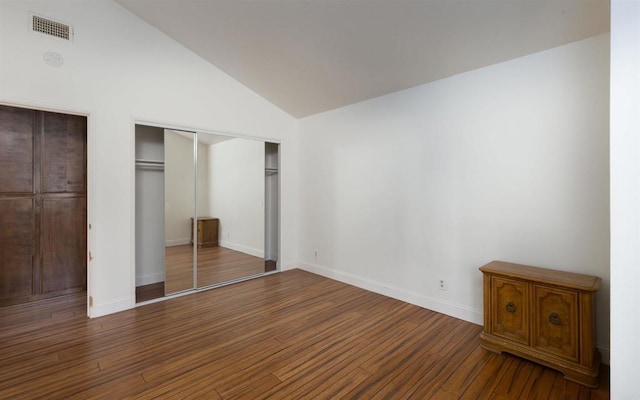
316 55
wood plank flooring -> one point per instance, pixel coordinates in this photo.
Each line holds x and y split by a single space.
292 335
215 265
219 264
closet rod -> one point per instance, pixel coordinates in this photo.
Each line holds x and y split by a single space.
154 162
150 164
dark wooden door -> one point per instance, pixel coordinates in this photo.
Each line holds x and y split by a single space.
43 202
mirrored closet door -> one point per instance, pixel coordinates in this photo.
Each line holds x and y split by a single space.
206 210
179 205
230 189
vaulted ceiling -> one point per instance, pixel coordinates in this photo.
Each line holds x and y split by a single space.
310 56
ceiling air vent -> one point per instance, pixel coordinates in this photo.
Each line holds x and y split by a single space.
50 27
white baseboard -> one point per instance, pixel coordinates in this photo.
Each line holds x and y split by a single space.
122 304
177 242
149 279
288 266
451 309
244 249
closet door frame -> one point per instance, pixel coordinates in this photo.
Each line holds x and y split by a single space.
196 131
90 180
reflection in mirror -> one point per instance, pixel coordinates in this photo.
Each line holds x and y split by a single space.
231 221
179 207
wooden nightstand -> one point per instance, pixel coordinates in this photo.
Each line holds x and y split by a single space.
207 231
542 315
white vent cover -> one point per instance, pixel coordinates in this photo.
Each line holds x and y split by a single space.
50 27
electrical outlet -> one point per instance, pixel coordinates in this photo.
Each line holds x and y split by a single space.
442 285
315 254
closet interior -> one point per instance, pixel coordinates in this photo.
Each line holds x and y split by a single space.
207 210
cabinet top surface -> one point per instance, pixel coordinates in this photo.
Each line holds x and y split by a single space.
543 275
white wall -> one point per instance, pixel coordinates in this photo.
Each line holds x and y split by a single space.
236 193
118 69
203 179
508 162
625 199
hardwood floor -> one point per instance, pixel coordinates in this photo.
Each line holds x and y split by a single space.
292 335
215 265
219 264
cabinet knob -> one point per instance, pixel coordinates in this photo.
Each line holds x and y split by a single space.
510 307
554 319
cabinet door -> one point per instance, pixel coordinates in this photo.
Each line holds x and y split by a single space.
17 247
510 309
17 204
209 232
64 262
64 150
555 328
16 150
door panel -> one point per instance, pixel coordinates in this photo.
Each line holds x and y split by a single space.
63 154
179 199
510 309
555 321
63 234
16 247
16 150
230 208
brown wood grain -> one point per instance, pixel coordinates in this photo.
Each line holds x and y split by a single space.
63 235
563 338
207 231
215 265
509 311
17 216
63 148
42 204
544 317
219 264
16 150
291 335
544 275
